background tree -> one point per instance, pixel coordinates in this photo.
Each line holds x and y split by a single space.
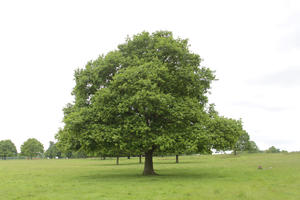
31 148
177 145
273 149
224 133
80 153
7 149
252 147
243 143
146 96
52 151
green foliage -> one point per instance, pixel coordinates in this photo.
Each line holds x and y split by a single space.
273 149
225 132
7 149
75 154
52 151
149 95
252 147
243 142
32 148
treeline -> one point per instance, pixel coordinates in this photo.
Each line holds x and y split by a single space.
32 148
245 145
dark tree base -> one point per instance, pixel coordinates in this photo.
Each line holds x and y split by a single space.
150 173
148 169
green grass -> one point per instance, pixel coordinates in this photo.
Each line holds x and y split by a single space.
222 177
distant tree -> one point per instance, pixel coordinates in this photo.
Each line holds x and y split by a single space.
225 132
177 145
67 154
252 147
273 149
243 143
52 151
31 148
216 132
7 149
79 154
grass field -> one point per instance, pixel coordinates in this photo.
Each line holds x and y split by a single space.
221 177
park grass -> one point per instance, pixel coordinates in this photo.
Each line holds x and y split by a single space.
219 177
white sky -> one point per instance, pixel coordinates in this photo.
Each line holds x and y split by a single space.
254 46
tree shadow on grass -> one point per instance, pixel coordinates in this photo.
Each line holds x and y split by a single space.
114 164
168 162
163 175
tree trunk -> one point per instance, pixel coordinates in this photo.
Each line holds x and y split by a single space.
140 159
148 169
128 157
235 152
177 160
117 160
102 157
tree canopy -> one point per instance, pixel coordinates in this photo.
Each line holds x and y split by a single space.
147 96
244 144
52 151
32 147
253 148
7 149
273 149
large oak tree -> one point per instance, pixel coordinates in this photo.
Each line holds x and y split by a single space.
149 95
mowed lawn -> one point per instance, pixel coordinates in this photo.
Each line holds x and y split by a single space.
219 177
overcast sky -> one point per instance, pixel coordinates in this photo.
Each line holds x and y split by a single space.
254 47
